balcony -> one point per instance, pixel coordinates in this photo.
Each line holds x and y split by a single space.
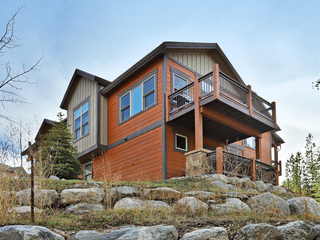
230 111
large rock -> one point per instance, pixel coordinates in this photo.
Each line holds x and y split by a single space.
248 183
317 237
42 197
23 210
278 190
193 204
201 194
82 195
132 203
159 232
250 190
88 184
54 177
261 231
298 230
82 208
219 185
161 193
235 181
123 192
232 187
304 206
239 195
216 233
269 187
19 232
219 177
261 187
267 203
232 205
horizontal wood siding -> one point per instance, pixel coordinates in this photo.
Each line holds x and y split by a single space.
83 89
154 114
137 159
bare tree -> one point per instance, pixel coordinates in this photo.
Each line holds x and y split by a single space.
316 84
12 81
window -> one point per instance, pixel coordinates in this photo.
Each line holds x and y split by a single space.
81 120
87 171
139 98
250 142
181 142
179 79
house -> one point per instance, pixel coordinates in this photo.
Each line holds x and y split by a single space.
12 172
180 100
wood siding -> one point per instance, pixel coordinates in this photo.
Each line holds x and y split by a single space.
154 114
103 119
137 159
83 89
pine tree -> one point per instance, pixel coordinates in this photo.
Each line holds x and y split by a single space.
59 153
294 172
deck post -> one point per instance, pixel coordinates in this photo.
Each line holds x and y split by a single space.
274 114
216 81
249 100
167 105
219 160
198 126
276 164
258 156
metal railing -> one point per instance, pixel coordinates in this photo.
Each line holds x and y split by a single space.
262 106
235 165
212 162
181 98
265 172
233 89
206 82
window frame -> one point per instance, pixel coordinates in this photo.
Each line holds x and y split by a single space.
179 74
182 134
83 173
152 74
87 100
245 144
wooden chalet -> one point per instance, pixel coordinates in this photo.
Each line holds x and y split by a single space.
181 99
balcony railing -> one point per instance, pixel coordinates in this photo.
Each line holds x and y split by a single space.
262 106
181 98
265 172
206 82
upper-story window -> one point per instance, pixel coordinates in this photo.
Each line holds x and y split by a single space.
139 97
81 120
250 142
179 79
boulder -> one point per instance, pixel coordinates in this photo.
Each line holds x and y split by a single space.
250 190
159 232
156 204
278 190
42 198
239 195
267 203
54 177
261 231
23 210
192 204
304 206
132 203
232 205
261 187
200 194
82 195
219 177
247 183
82 208
235 181
232 187
297 230
217 233
88 184
123 192
162 193
269 187
27 232
219 185
317 237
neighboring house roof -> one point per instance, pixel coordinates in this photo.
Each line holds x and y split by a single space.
277 139
74 79
18 170
163 48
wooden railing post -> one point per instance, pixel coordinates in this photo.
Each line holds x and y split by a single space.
216 81
198 129
167 105
249 100
274 114
276 164
258 156
219 160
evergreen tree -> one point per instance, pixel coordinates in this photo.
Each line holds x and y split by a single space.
294 172
58 151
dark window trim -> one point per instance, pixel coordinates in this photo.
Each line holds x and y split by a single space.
73 123
87 163
184 134
149 75
179 73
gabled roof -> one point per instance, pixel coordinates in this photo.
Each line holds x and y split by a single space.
163 48
276 138
74 78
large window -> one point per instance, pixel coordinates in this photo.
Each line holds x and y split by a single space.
81 120
179 79
139 98
250 142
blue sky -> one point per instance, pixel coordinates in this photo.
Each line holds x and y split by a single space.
274 46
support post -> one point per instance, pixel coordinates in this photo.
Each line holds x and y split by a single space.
258 156
32 181
276 164
216 81
274 114
198 116
167 105
249 100
219 160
